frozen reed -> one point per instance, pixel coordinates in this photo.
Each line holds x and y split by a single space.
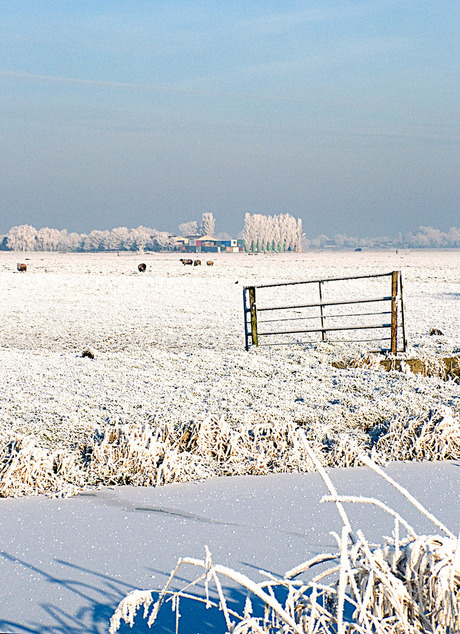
154 454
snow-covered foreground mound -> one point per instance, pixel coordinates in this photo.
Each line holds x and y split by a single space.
173 396
66 563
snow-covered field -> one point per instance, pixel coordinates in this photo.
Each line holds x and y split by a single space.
171 358
171 351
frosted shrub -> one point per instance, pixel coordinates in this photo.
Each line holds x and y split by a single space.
126 455
409 584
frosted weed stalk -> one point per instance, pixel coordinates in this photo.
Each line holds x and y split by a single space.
409 584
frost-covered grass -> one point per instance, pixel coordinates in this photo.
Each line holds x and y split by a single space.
173 396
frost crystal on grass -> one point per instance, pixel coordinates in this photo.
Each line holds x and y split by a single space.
128 607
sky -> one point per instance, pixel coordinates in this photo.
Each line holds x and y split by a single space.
143 112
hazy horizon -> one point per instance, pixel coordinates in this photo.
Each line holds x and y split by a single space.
345 114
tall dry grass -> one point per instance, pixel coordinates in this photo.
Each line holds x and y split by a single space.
155 454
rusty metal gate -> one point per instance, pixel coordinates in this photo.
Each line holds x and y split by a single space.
339 309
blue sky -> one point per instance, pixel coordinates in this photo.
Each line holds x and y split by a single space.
131 112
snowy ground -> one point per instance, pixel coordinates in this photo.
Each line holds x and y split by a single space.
171 344
171 347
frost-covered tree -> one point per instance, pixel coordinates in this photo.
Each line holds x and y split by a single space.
130 240
62 240
255 231
160 240
248 232
272 233
73 241
56 239
43 239
189 228
94 241
320 241
141 238
429 237
454 237
116 239
300 236
22 238
342 240
208 224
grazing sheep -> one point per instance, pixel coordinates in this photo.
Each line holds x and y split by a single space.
197 263
21 267
185 262
142 267
210 262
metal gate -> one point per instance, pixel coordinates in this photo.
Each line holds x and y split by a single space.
339 309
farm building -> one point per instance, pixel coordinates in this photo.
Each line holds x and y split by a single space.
207 244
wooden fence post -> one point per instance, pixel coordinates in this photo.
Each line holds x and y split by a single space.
246 325
253 309
394 312
403 321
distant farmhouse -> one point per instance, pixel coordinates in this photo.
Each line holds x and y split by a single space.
206 244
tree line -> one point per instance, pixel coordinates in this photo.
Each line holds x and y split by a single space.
260 233
28 238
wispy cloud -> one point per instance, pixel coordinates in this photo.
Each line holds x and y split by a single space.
100 83
277 22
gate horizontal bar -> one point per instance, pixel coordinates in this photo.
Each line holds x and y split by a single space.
294 332
327 279
341 303
270 321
